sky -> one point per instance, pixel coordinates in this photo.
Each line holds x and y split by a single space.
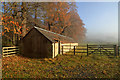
100 19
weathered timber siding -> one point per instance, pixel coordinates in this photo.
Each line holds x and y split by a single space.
36 44
55 49
68 46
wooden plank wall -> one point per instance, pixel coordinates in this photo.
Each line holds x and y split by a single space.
67 47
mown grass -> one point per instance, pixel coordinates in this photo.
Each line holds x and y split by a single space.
63 66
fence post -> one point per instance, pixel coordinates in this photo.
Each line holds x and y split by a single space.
87 50
117 53
62 50
118 50
115 49
70 45
74 50
100 49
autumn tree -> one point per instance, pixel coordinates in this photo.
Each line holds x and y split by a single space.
59 17
8 20
12 22
49 14
35 13
63 18
76 30
10 28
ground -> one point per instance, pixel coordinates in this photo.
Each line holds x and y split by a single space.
63 66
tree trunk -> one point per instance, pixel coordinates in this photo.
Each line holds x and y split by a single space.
48 26
14 16
35 14
63 30
13 39
24 21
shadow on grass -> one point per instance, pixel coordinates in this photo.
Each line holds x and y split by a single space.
30 57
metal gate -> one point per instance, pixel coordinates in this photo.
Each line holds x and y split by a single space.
102 49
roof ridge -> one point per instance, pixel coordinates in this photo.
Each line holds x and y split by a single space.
52 32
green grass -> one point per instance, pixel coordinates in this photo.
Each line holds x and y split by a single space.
63 66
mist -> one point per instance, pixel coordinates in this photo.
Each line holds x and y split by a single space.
102 38
101 21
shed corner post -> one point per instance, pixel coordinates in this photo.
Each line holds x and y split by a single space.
59 46
53 50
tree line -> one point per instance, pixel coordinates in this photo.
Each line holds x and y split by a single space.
59 17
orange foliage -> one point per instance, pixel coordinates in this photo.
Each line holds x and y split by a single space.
58 16
10 25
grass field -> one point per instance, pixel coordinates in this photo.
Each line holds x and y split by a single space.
63 66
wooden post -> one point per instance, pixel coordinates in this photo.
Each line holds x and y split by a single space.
118 50
100 49
54 49
87 50
74 50
69 48
115 50
70 45
62 50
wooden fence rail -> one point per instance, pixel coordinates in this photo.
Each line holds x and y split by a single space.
10 51
89 49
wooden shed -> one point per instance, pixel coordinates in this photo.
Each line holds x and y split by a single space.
41 43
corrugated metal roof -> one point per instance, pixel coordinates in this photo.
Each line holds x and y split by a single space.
54 36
